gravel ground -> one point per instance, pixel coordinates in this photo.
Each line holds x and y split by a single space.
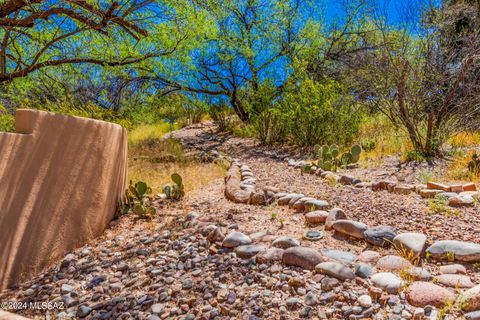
168 269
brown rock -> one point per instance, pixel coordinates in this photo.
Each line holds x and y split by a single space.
316 217
454 280
303 257
453 269
438 186
334 215
368 256
421 294
349 227
471 299
393 263
269 256
456 188
469 187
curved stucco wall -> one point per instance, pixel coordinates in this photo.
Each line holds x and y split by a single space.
60 180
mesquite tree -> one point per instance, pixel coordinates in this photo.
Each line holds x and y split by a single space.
425 77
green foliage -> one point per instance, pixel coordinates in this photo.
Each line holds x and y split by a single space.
137 200
7 120
368 145
312 113
329 158
425 175
222 115
474 165
175 191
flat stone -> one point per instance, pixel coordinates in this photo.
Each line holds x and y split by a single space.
295 199
235 239
421 294
418 273
303 257
364 270
285 200
316 217
299 205
313 205
453 269
313 235
351 228
381 236
334 215
341 256
471 299
461 201
249 250
430 193
459 250
335 269
387 281
412 243
454 280
475 315
393 263
285 242
368 256
403 189
269 256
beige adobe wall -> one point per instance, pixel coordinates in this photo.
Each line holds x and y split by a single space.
60 180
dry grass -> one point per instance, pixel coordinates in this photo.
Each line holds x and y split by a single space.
148 131
194 174
388 140
458 168
465 139
153 160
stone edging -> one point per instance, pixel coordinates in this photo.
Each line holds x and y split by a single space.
457 195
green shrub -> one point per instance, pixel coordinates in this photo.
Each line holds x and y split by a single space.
314 115
7 120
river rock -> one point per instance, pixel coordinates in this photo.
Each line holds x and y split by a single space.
340 256
316 217
269 256
421 294
248 251
334 215
471 299
387 281
364 270
368 256
235 239
460 250
313 205
412 243
381 236
351 228
454 280
335 269
453 269
393 263
430 193
303 257
285 242
461 201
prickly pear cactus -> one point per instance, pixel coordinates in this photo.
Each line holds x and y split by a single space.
474 164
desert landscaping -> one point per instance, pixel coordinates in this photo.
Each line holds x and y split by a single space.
244 159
